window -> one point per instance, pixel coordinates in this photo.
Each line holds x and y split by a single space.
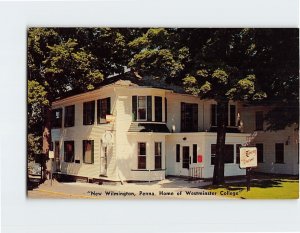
177 153
158 108
89 113
158 158
228 153
279 153
189 117
259 120
213 115
213 153
88 151
232 119
103 109
194 153
69 116
56 118
237 153
141 155
69 151
260 152
142 108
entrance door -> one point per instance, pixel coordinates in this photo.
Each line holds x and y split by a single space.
103 162
186 157
56 156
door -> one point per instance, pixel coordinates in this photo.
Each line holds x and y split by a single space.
186 157
56 156
103 161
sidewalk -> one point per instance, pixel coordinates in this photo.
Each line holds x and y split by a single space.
172 188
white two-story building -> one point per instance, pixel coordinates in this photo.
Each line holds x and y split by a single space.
129 130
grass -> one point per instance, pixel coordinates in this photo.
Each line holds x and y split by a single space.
274 188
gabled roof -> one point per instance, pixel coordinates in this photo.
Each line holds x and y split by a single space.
130 79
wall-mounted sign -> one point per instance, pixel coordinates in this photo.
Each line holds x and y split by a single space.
248 157
51 154
199 158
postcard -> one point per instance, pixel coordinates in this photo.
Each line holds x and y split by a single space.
163 113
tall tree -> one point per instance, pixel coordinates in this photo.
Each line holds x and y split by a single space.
210 63
64 60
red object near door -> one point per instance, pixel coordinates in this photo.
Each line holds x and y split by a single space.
199 158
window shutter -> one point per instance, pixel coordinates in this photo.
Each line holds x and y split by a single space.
92 144
98 111
195 117
183 116
166 110
149 108
84 114
134 108
93 112
108 106
158 108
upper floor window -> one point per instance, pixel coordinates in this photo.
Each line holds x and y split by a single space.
103 109
89 113
158 108
69 151
69 116
88 151
231 117
213 115
142 108
259 120
189 117
56 118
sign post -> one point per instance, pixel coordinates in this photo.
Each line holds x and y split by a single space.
248 160
51 157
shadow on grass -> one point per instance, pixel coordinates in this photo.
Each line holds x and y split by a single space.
238 186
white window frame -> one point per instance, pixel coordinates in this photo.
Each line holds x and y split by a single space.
138 155
137 108
161 155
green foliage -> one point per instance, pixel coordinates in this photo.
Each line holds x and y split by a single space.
34 145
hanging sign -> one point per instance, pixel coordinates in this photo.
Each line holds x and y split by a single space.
51 154
248 157
199 158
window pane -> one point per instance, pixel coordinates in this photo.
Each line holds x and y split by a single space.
142 101
157 162
157 148
88 113
158 108
142 148
142 114
189 117
194 153
279 153
141 162
69 151
88 151
260 152
229 154
232 115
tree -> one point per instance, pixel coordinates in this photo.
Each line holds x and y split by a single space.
64 60
210 63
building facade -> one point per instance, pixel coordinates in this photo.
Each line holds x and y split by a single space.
124 131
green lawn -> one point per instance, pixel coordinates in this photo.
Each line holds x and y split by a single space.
260 189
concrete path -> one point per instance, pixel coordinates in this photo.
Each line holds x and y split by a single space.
172 188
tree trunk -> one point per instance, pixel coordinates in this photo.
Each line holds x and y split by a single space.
46 139
222 119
